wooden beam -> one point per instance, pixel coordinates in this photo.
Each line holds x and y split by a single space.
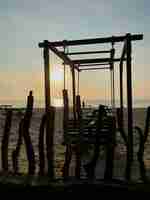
96 68
60 54
93 40
93 65
95 61
87 52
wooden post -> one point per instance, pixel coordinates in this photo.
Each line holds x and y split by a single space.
49 112
112 79
68 153
129 110
110 149
5 140
65 114
46 75
15 153
41 146
121 95
74 92
78 145
25 134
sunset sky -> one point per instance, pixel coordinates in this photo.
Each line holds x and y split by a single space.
24 23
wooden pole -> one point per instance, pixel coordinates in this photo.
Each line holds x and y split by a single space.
112 79
41 147
49 134
121 95
94 40
26 134
129 110
74 93
5 140
47 76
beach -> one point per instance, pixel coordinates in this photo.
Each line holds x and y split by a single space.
139 115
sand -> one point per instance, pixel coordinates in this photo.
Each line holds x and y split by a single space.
139 115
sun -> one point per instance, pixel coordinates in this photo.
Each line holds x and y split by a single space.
57 75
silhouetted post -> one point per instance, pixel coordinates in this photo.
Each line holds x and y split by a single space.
112 53
110 147
65 114
121 94
5 140
68 153
49 112
41 146
15 153
78 145
129 109
26 134
74 92
50 119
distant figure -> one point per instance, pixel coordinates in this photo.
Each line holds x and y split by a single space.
83 104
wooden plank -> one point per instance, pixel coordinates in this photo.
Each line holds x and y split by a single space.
94 40
95 61
87 52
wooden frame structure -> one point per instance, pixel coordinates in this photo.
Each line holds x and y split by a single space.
90 64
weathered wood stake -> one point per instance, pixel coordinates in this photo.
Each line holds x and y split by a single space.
5 140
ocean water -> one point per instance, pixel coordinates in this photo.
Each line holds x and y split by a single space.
139 115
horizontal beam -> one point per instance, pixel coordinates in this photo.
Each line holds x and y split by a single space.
95 60
61 55
87 52
93 41
94 68
90 65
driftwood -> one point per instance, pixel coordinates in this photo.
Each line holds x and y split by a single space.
5 140
15 153
41 146
24 134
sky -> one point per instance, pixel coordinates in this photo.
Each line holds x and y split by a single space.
25 23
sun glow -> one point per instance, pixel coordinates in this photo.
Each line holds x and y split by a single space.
57 75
